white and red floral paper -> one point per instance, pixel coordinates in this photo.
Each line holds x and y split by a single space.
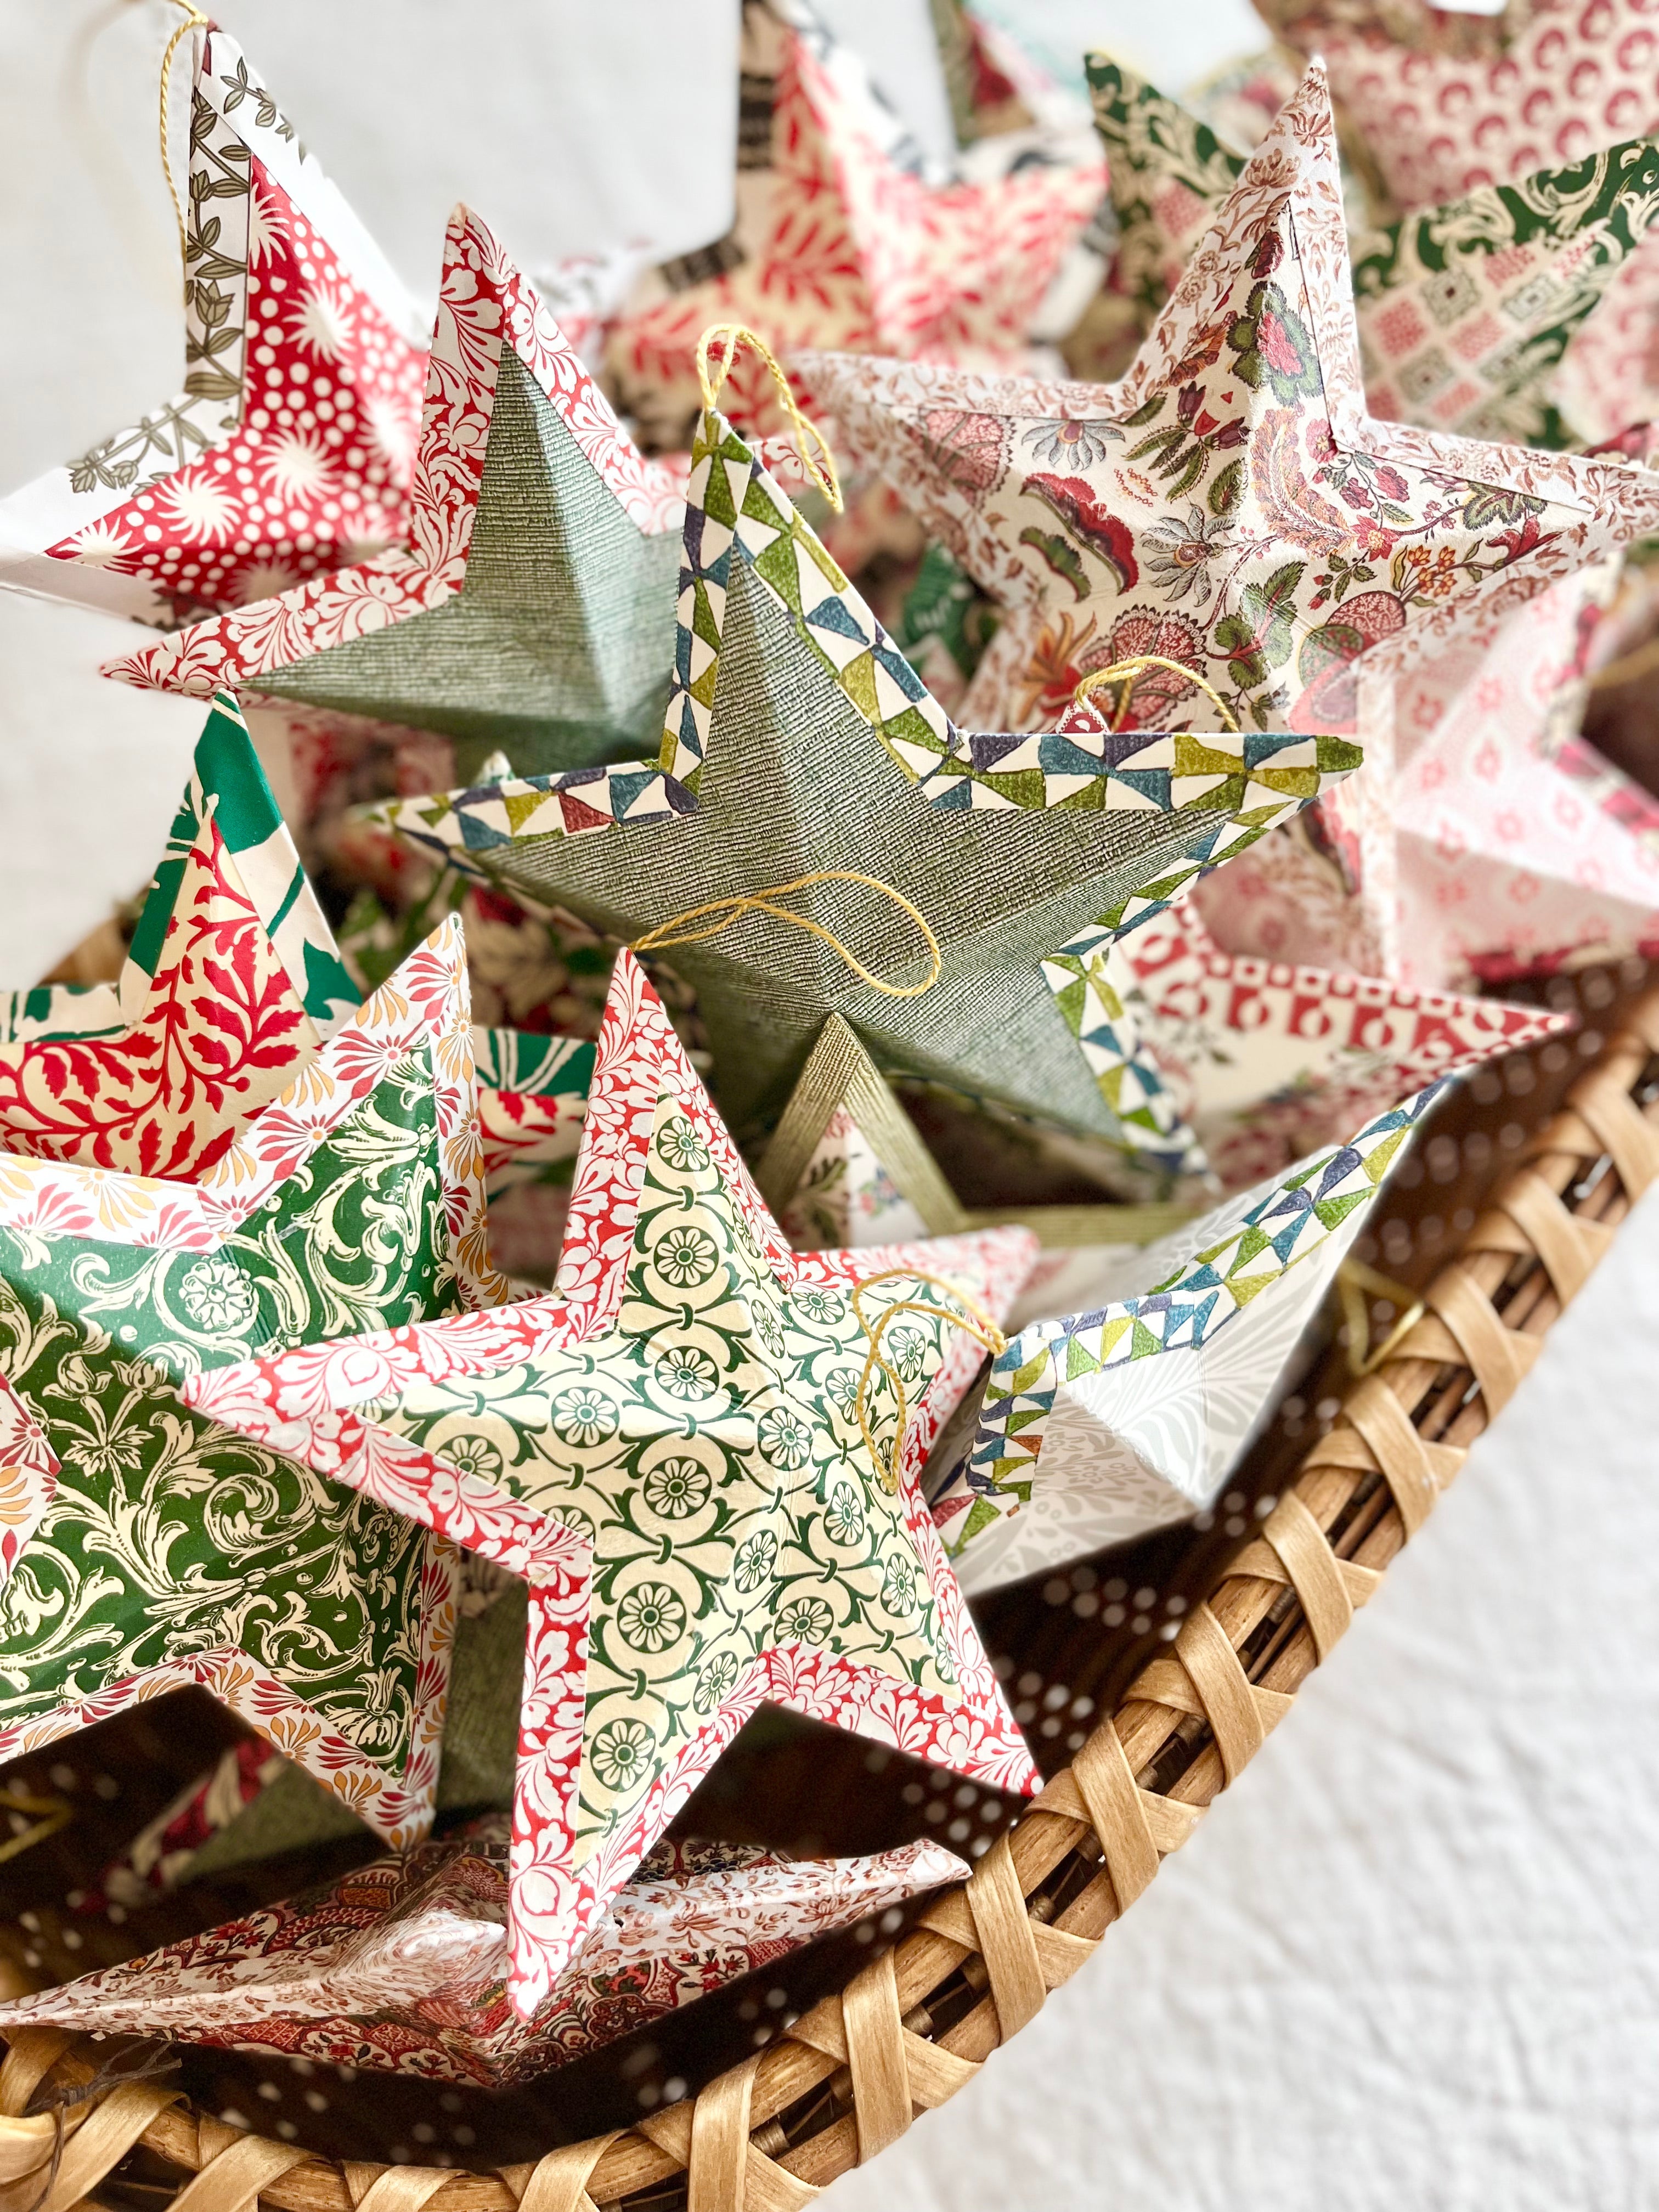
289 449
486 304
843 238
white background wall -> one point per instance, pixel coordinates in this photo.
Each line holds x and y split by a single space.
1412 1961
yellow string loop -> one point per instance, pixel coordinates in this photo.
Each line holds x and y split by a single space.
1353 1279
46 1815
1125 671
973 1320
719 915
815 458
194 20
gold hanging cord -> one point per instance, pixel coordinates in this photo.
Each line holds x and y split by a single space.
811 445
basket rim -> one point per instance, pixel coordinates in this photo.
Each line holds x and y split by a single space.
871 2056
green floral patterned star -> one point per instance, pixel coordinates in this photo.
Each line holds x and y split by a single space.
701 1453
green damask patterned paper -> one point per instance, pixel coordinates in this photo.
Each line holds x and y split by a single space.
167 1551
1464 310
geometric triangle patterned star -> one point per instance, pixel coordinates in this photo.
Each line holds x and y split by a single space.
1439 105
147 1548
530 605
844 235
288 451
1099 1426
701 1461
1464 310
799 742
1267 1062
1229 505
399 1966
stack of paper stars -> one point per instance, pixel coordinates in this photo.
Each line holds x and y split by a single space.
1085 649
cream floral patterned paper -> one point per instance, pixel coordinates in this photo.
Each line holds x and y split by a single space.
1229 505
685 1451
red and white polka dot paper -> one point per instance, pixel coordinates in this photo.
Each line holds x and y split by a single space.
290 450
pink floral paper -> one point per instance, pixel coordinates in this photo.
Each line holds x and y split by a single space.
402 1966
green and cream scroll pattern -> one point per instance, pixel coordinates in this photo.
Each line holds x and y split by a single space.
162 1549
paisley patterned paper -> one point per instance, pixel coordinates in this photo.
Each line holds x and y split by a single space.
289 450
684 1451
402 1965
1229 505
157 1550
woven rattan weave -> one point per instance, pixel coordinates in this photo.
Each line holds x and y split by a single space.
1253 1602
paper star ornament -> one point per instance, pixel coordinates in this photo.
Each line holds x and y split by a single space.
1266 1060
681 1452
288 452
1100 1425
847 1166
1520 850
228 793
843 236
1510 845
799 743
1464 310
532 605
1440 103
231 983
401 1967
1229 505
141 1546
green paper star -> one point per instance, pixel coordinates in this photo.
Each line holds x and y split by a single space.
532 606
796 743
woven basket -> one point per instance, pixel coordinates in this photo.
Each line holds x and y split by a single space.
1193 1643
